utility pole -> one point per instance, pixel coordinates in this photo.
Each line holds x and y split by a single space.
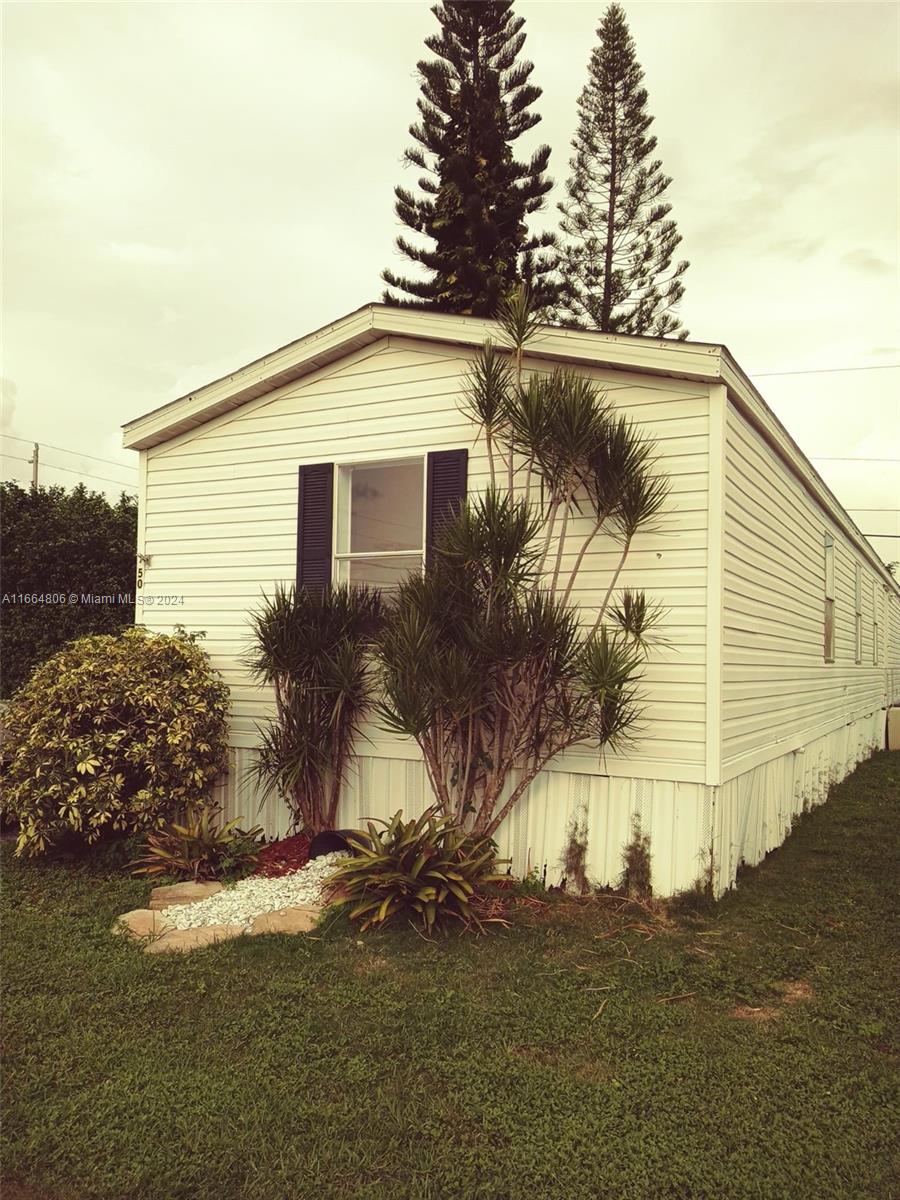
34 466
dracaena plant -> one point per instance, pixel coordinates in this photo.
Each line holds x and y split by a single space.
311 648
485 660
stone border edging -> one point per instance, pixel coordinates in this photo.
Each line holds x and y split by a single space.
150 926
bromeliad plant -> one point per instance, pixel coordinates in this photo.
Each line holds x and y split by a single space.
199 848
310 647
484 660
427 870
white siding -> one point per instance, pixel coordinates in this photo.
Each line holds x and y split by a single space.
778 693
219 517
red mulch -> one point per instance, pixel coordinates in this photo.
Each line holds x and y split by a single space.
282 857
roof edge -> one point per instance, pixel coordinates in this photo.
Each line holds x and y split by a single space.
689 360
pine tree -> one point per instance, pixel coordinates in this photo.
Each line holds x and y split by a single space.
476 196
616 263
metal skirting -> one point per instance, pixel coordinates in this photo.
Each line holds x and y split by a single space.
690 826
755 811
535 834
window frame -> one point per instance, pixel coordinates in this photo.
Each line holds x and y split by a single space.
876 629
857 608
829 614
343 467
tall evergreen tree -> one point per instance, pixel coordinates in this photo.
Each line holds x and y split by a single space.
616 263
475 103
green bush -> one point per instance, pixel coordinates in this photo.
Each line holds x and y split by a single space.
57 544
427 869
112 734
199 847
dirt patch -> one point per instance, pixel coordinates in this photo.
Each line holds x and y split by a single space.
369 964
591 1071
18 1191
744 1012
795 991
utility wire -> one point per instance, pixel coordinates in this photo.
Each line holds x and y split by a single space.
82 474
78 453
823 371
826 458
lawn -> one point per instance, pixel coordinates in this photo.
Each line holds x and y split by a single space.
542 1061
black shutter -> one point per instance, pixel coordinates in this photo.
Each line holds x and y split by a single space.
314 521
447 477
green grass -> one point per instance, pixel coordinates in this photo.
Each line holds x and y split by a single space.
390 1067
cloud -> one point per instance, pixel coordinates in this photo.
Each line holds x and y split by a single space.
865 260
796 247
8 394
146 255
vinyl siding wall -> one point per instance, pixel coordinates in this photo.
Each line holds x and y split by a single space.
778 692
218 520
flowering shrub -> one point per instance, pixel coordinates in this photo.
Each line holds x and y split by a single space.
113 733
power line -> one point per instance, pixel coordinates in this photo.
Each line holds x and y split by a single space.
882 535
823 371
82 474
825 458
78 453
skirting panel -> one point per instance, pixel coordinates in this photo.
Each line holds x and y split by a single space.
674 815
754 811
688 824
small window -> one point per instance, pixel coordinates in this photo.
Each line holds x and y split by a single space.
380 522
858 610
829 598
875 626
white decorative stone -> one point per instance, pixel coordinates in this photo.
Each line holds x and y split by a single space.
242 902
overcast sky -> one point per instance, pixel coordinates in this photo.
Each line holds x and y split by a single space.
188 186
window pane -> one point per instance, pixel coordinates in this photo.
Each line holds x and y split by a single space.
386 507
829 631
829 567
384 573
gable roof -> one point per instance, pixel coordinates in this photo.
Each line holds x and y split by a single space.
699 361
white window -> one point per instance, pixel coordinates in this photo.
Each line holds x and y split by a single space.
875 626
380 522
829 598
858 610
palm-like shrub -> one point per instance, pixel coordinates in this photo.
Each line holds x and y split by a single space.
483 660
199 847
427 870
113 734
310 648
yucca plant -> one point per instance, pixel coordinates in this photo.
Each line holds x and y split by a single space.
311 648
483 660
427 870
199 847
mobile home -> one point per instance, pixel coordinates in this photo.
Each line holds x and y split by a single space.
782 625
